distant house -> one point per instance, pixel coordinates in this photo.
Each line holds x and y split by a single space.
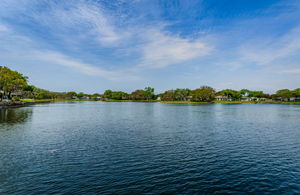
189 98
124 97
295 99
85 98
262 99
97 98
278 99
245 98
223 98
292 99
16 94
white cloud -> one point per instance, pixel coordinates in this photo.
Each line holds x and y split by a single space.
3 28
86 17
28 51
80 23
76 19
264 52
292 71
158 49
84 68
268 53
162 49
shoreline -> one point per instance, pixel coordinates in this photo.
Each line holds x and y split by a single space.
14 104
24 103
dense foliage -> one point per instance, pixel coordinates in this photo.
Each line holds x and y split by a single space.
203 94
11 82
176 95
14 85
234 95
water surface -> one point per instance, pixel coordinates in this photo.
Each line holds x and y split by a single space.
150 148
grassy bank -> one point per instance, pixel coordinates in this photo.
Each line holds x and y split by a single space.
255 102
52 100
35 101
110 100
160 101
217 102
184 102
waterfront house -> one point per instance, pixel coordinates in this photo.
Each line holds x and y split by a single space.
188 98
262 99
295 99
96 98
16 94
245 98
223 98
291 99
85 98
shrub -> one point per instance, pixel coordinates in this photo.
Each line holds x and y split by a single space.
15 99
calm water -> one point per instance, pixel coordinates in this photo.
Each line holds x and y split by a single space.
150 148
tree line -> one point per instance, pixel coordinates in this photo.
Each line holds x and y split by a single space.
14 85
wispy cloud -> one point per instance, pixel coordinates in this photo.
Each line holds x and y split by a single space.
264 52
83 17
77 19
163 49
292 71
81 67
3 27
252 44
118 40
28 50
86 22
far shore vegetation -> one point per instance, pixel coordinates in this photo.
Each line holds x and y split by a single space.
14 88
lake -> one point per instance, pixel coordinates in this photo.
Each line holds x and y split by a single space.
150 148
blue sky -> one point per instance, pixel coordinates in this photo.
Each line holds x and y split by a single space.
93 45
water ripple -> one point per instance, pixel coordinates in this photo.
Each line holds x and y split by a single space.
129 148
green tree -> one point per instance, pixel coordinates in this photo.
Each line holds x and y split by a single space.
284 94
80 95
149 93
29 88
246 92
203 94
296 92
181 94
175 95
29 91
168 95
138 95
11 81
235 95
107 94
258 94
95 96
70 95
119 95
43 94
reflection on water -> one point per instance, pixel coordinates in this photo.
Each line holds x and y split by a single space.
14 115
141 148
